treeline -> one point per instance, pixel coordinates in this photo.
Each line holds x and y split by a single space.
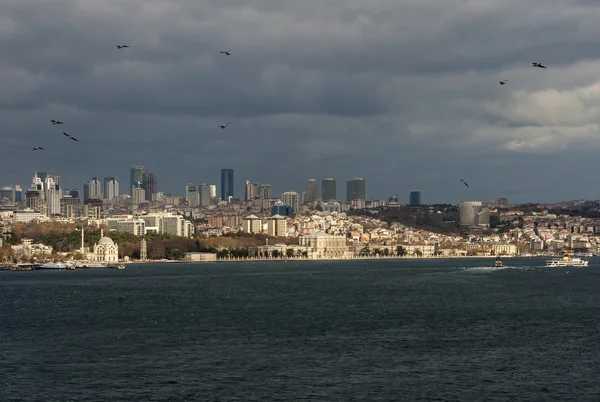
67 238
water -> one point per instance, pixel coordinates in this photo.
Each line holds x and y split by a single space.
443 330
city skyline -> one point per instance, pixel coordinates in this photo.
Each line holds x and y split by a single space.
361 98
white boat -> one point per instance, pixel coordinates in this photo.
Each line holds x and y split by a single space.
112 265
567 261
54 265
498 263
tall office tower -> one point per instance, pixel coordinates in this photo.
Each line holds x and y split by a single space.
213 191
250 190
74 193
226 183
52 195
264 191
139 196
8 193
469 211
43 175
111 187
205 195
192 195
70 207
86 191
149 184
136 177
356 189
312 190
290 198
18 193
328 189
95 188
414 197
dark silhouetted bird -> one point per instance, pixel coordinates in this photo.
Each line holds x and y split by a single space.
464 182
54 122
227 52
223 125
539 65
70 137
503 82
122 46
35 148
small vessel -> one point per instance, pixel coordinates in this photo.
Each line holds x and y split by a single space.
61 266
567 261
498 263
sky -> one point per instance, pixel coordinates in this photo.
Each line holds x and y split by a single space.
404 93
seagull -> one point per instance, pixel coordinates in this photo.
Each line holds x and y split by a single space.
223 125
122 46
35 148
538 65
54 122
70 137
464 182
503 82
227 52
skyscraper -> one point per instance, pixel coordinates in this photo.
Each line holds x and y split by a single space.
414 197
136 177
356 189
205 195
86 191
291 198
226 183
328 189
264 191
469 210
149 184
95 188
312 190
250 191
213 191
192 195
111 187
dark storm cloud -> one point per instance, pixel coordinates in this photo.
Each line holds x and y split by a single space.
403 93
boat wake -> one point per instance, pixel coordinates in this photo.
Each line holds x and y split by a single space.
488 269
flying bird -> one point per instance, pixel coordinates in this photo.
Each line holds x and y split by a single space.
227 52
122 46
54 122
503 82
223 125
464 182
70 137
538 65
35 148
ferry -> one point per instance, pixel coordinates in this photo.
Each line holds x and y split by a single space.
54 265
567 261
498 263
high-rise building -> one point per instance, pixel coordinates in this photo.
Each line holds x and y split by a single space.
290 198
226 183
328 189
70 207
8 193
264 191
111 187
18 193
136 177
250 190
149 184
469 211
356 189
139 196
205 195
192 195
213 191
312 190
86 191
75 193
414 197
53 195
95 188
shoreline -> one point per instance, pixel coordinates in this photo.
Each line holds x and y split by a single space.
326 259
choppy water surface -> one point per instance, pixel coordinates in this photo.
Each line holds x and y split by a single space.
451 330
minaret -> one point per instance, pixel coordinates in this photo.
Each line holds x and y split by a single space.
143 250
101 233
82 246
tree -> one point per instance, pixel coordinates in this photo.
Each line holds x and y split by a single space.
275 253
289 252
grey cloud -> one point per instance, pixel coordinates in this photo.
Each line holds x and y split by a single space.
403 93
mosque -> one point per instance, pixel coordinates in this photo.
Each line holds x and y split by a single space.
106 250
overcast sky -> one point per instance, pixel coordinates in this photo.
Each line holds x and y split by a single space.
404 93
